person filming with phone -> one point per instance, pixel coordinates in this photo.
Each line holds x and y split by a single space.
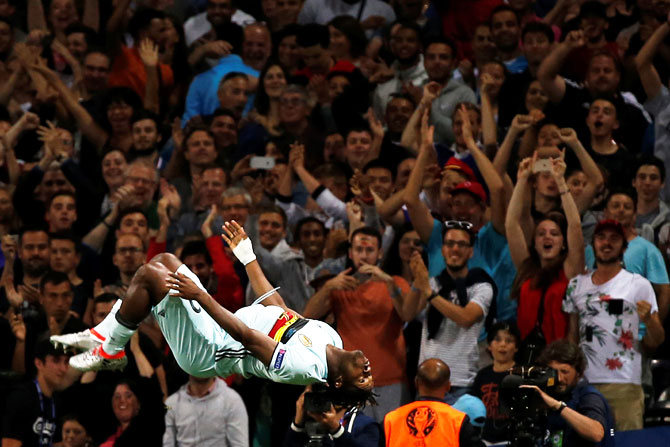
613 316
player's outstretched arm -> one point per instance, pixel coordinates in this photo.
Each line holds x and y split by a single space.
259 344
239 242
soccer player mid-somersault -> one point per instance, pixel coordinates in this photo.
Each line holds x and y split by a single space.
265 340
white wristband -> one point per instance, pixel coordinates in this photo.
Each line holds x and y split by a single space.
244 251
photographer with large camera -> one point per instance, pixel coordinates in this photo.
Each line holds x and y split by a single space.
321 422
579 413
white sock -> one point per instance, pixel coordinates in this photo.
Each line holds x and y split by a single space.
103 328
117 338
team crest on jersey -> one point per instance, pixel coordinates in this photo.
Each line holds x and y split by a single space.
305 340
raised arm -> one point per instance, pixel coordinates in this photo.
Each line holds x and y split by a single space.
91 16
236 238
85 121
493 181
36 17
404 303
489 127
547 74
574 263
519 124
644 61
419 214
594 178
390 209
411 135
149 54
515 235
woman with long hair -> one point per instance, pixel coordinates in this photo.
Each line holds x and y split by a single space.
347 39
266 106
554 256
400 252
139 416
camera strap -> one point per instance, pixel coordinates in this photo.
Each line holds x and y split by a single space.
360 10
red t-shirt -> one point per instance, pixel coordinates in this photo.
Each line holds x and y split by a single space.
460 18
554 321
340 66
128 71
367 320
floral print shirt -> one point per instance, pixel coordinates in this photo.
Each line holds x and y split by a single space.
609 324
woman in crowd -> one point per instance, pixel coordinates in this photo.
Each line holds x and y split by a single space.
347 39
134 419
266 107
555 255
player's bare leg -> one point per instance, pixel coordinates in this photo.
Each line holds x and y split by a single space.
105 343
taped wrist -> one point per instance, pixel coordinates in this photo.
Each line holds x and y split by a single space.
244 251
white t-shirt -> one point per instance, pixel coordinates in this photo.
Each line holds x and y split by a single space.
610 341
198 25
457 346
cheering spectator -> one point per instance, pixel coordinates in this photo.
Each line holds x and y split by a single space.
557 255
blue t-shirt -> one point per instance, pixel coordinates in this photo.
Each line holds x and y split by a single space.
202 98
641 257
491 253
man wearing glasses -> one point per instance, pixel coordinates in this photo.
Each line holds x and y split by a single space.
129 256
456 313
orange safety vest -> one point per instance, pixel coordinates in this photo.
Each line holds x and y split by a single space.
424 423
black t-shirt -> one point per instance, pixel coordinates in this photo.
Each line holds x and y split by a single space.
486 387
28 419
573 109
618 166
512 97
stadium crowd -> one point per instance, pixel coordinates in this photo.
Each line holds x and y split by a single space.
453 185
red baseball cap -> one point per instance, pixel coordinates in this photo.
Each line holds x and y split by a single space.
474 188
459 165
610 224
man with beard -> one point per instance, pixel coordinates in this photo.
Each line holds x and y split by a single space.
580 415
640 256
370 307
466 201
405 42
506 33
33 252
608 309
456 315
146 136
298 272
